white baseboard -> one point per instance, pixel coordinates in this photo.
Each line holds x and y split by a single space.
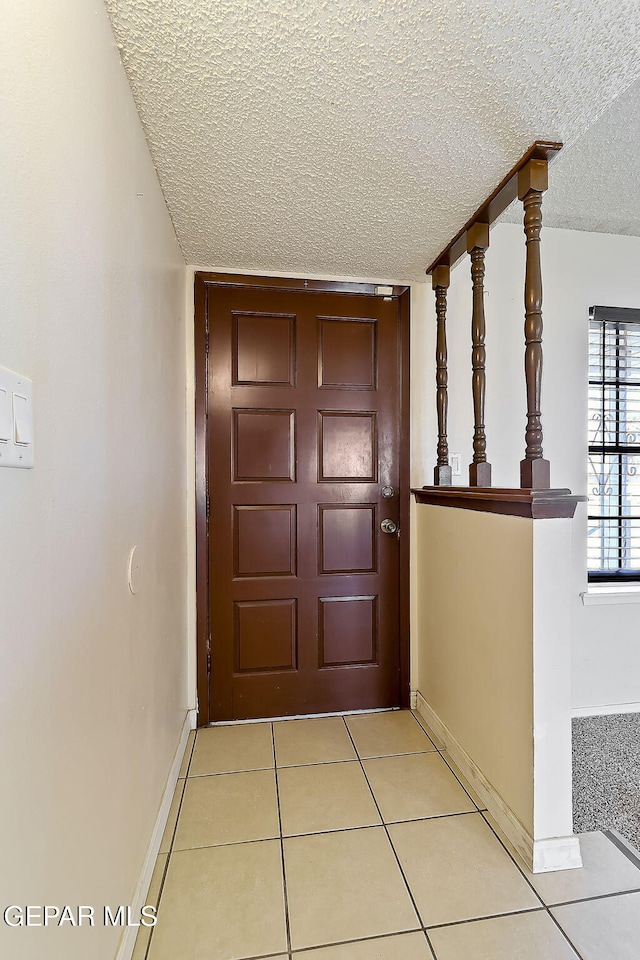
128 941
605 710
542 856
413 699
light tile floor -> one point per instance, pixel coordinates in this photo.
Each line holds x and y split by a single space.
355 839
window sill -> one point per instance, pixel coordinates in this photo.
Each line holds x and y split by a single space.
606 593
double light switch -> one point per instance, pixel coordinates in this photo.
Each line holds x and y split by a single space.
16 420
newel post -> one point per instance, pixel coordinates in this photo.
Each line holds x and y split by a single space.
440 281
477 243
532 182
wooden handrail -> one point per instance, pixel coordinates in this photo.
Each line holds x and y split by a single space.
504 194
527 181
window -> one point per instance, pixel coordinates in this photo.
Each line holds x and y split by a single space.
614 444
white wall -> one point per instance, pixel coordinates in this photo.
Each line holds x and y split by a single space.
579 270
93 686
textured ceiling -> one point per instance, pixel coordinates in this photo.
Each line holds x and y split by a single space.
594 183
354 137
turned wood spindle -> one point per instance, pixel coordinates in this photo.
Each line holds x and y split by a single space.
532 182
440 282
477 243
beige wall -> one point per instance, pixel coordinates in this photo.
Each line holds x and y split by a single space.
475 638
93 688
579 271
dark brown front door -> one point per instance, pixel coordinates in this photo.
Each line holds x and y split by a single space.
303 463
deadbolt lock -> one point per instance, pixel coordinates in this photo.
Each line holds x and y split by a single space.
388 526
388 492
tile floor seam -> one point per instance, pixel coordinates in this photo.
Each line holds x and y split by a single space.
432 949
366 826
451 766
287 920
386 830
319 833
535 892
488 916
400 753
193 746
563 903
565 935
414 714
160 888
443 753
513 859
175 826
316 763
622 847
170 850
346 943
229 843
227 773
601 896
423 929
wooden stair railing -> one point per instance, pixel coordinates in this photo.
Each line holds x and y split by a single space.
527 180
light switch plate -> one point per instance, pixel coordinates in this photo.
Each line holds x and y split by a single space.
456 467
16 420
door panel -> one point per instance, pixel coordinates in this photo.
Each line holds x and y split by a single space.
265 541
303 410
348 538
347 354
264 446
348 446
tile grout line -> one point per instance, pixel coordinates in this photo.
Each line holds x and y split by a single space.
546 907
443 754
160 889
601 896
281 838
479 811
425 930
319 763
631 855
193 747
565 935
348 943
535 892
402 873
320 833
489 916
341 943
170 850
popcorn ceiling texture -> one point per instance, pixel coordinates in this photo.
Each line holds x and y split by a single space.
355 137
594 181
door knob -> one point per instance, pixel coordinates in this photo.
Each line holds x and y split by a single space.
388 526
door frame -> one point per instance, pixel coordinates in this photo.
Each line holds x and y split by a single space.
202 281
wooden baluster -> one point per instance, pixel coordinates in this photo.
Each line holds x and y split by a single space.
532 182
477 243
440 282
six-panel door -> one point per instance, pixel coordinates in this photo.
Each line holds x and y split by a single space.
303 403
